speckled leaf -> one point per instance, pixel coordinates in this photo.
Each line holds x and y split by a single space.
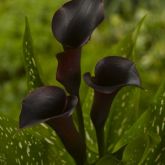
151 122
31 146
157 153
33 77
134 151
137 151
138 128
109 159
19 147
56 153
126 46
90 133
124 112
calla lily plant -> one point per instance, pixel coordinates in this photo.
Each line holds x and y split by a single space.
72 26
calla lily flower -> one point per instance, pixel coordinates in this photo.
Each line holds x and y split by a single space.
49 104
74 22
69 71
111 74
72 26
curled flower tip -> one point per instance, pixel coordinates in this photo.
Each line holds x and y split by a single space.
68 70
42 104
50 104
111 74
74 22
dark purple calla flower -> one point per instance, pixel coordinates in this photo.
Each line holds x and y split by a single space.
50 104
69 71
74 22
111 74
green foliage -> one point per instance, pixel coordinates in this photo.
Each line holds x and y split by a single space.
137 150
32 73
19 147
90 134
135 126
109 159
126 46
32 146
124 112
151 124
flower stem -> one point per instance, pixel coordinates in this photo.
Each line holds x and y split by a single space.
100 141
80 119
99 113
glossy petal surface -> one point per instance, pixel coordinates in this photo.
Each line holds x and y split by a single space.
42 104
74 22
115 70
112 73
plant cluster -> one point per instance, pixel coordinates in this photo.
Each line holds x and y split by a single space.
72 26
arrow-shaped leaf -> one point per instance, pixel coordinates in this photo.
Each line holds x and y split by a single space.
33 77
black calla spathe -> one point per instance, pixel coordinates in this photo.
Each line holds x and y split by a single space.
74 22
42 104
111 74
49 104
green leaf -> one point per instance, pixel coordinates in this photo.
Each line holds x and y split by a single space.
19 147
33 77
39 145
153 139
55 151
157 153
126 46
90 132
109 160
151 122
124 112
137 150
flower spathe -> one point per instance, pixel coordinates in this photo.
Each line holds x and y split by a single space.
74 22
49 104
111 74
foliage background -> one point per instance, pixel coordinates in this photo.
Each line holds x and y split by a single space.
121 17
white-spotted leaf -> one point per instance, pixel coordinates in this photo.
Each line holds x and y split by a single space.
137 150
33 77
39 145
90 132
151 122
124 112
